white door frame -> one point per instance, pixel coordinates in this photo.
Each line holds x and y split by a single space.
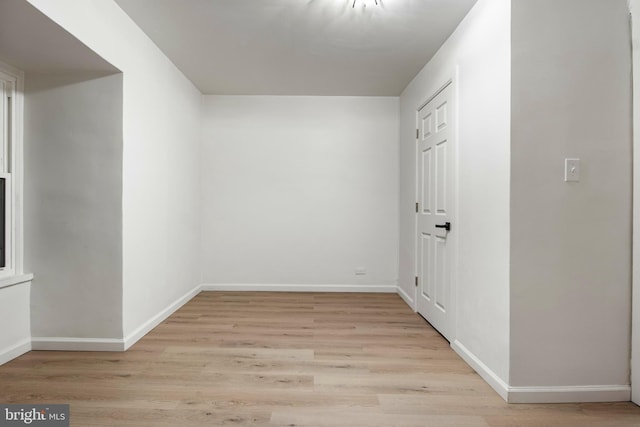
634 6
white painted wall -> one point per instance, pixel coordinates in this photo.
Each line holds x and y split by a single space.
15 338
571 242
73 203
161 142
480 50
299 190
635 327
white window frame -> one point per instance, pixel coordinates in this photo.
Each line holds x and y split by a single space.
11 146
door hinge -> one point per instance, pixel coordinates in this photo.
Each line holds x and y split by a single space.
417 133
416 281
417 207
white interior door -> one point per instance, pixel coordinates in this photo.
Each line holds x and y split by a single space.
434 209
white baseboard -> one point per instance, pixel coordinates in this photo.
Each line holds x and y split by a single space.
110 344
551 394
571 394
298 288
547 394
483 370
405 296
145 328
14 351
76 344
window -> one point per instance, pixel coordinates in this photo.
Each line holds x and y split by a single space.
8 145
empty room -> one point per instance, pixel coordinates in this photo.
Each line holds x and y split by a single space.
319 213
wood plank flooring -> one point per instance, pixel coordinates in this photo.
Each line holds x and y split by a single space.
285 359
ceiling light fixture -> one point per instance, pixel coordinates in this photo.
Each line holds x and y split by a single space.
364 3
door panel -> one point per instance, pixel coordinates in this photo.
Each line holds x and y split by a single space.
435 182
440 271
426 181
425 267
441 115
427 126
441 177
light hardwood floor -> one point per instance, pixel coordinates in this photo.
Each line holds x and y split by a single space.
285 359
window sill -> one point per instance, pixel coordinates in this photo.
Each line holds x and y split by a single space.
5 282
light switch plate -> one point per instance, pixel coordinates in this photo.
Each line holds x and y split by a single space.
572 170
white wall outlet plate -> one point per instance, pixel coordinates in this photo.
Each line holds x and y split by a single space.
572 170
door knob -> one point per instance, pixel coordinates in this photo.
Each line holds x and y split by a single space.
446 226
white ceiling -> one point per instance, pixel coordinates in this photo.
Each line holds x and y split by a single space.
33 43
298 47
